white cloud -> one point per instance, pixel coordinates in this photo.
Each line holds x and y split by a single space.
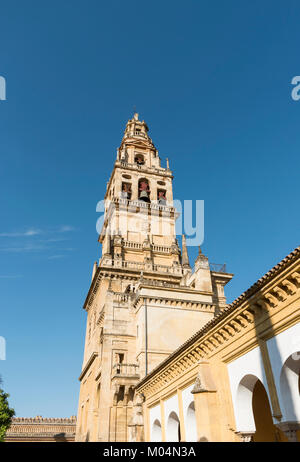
66 229
28 233
24 248
35 232
54 257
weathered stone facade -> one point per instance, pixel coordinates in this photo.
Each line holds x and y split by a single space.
41 429
144 299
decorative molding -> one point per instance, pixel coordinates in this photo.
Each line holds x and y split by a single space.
87 365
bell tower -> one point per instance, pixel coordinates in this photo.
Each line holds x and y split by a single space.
144 299
139 213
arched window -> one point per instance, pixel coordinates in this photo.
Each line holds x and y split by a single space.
173 428
289 388
253 410
126 191
144 190
161 196
156 434
139 159
191 424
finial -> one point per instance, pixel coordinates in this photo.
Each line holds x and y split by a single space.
136 115
168 166
200 251
185 257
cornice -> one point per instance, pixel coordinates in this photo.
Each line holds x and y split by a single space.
174 303
87 365
93 289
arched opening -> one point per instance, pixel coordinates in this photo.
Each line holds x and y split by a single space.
156 434
130 397
203 439
144 190
173 428
290 388
121 394
126 190
265 429
254 412
139 159
161 196
244 413
191 424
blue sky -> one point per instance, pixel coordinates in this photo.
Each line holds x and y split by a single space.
213 81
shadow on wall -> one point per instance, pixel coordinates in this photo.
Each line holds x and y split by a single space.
60 438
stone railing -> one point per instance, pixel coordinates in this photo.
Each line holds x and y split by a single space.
140 266
218 267
141 204
157 283
168 269
161 248
154 247
132 245
127 370
144 168
120 297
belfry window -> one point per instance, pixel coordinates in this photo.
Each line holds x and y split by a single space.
144 190
139 159
119 361
161 196
126 191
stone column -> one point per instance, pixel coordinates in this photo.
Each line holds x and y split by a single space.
136 424
206 405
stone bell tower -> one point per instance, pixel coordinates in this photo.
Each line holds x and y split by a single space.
144 299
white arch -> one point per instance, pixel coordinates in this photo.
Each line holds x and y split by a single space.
281 347
190 423
173 426
156 434
289 387
244 411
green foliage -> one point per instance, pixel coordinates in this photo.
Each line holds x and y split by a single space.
6 413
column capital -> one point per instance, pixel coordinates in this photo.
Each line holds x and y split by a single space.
290 430
246 437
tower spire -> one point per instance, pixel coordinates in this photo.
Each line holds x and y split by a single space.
185 257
